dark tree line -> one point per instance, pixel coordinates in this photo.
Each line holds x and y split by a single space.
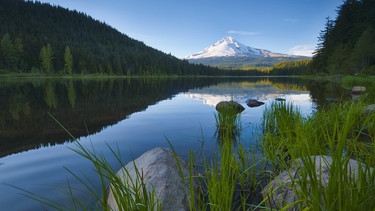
347 44
40 38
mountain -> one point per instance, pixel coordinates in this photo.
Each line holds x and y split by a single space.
228 46
229 53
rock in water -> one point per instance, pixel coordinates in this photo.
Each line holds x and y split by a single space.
229 106
160 172
254 103
358 90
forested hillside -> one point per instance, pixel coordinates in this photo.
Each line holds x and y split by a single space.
347 44
294 67
45 39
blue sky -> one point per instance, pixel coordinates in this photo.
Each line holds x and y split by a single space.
186 27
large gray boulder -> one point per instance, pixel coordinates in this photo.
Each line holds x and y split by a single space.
161 174
281 190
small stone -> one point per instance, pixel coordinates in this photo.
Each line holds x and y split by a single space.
254 103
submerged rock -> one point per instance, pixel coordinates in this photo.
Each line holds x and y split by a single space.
254 103
160 173
229 105
280 191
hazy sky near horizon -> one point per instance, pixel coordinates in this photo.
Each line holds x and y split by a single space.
186 27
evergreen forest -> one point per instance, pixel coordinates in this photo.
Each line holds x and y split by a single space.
43 39
347 44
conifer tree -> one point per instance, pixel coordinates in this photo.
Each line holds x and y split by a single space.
46 57
321 54
68 66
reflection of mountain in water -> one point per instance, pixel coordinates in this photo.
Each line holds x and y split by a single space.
254 88
87 106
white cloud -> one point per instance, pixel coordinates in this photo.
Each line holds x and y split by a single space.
246 33
303 50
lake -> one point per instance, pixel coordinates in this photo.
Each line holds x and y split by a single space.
133 115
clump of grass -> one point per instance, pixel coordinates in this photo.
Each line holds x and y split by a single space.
334 131
229 178
228 123
283 128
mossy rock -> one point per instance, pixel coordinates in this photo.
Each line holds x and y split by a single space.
229 107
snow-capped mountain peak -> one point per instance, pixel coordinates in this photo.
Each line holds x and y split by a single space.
228 46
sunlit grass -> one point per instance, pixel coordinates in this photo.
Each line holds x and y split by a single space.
335 131
229 179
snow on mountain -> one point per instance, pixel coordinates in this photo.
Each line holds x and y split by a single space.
228 46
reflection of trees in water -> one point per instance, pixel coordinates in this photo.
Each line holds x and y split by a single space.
257 85
76 103
18 106
49 95
289 84
71 93
95 103
323 92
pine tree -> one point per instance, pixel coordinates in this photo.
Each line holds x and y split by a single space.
68 66
18 51
321 54
46 57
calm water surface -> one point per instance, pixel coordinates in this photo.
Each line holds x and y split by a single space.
134 115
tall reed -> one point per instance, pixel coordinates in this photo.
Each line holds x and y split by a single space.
228 123
336 132
229 178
